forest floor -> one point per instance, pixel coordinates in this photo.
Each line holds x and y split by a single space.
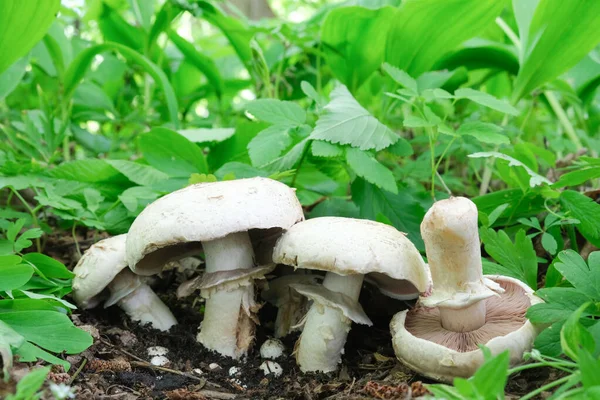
117 365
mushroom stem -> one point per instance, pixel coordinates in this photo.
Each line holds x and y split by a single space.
227 328
465 319
322 342
145 306
289 315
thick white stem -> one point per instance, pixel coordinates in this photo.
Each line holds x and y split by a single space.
225 328
465 319
326 328
145 306
289 315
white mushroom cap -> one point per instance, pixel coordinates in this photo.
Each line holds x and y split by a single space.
425 346
349 246
97 268
175 225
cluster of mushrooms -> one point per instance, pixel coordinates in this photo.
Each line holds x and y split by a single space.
248 229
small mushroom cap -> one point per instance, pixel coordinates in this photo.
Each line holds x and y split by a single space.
349 246
328 298
279 290
393 288
229 280
174 226
97 268
425 346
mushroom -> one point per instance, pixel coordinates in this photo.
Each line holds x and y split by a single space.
291 305
347 249
103 266
226 220
439 338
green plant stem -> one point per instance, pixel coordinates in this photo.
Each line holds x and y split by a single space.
487 170
74 235
563 366
563 119
572 238
509 32
66 143
38 244
550 385
304 153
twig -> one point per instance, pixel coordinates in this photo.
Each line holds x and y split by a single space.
146 364
78 371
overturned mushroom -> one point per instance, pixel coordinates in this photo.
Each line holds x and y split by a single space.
103 267
440 337
226 220
347 249
292 306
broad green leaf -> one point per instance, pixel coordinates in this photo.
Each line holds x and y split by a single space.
551 43
321 148
574 336
401 148
589 367
23 23
577 177
87 170
235 149
424 30
202 62
368 168
268 144
29 352
277 112
11 78
132 196
347 122
289 160
548 341
353 40
490 379
93 199
80 65
143 11
479 55
115 28
203 135
403 211
13 274
48 266
486 100
48 329
171 153
138 173
549 243
95 143
412 121
38 296
91 96
584 277
518 258
586 211
535 178
484 132
335 206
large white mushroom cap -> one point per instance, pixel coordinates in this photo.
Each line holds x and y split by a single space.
176 224
97 268
348 246
422 343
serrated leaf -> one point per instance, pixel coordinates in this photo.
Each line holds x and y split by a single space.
577 177
368 168
93 198
535 178
320 148
484 132
268 144
277 112
412 121
203 135
584 277
138 173
402 78
586 211
486 100
347 122
574 336
401 148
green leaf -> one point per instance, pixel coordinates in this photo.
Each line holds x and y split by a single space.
347 122
423 31
401 148
518 259
401 209
132 196
277 112
320 148
548 341
203 135
574 336
84 59
171 153
486 100
50 330
589 367
444 392
11 78
550 42
268 144
30 384
24 23
13 275
577 177
91 96
138 173
402 78
549 243
203 63
353 40
490 379
584 277
87 170
368 168
586 210
93 199
30 353
48 266
335 206
412 121
484 132
535 178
